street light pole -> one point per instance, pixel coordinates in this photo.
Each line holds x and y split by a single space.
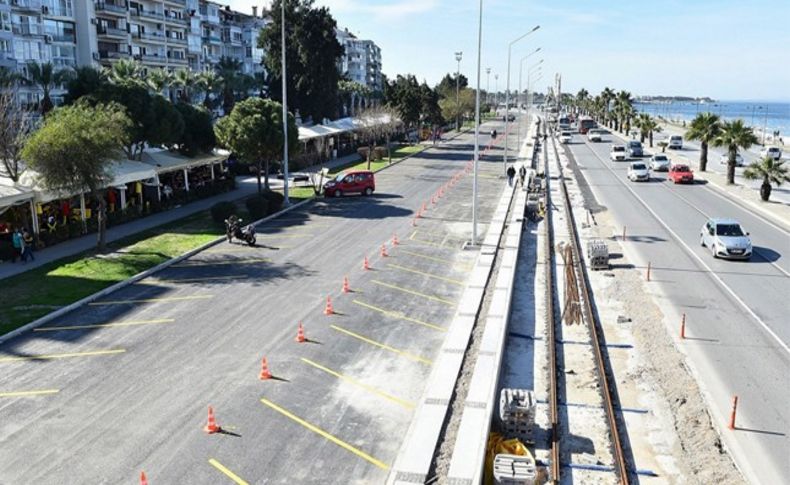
518 124
286 201
496 88
765 122
488 85
477 127
458 56
507 90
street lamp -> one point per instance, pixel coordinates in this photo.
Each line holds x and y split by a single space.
286 202
488 85
507 89
765 123
496 88
520 72
458 56
477 127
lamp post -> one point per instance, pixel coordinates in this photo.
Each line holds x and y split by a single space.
488 85
496 88
477 126
765 122
507 90
520 72
458 56
286 202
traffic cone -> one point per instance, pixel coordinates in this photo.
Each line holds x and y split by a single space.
395 241
211 426
143 479
365 264
328 310
265 373
418 215
300 334
346 287
433 199
423 208
413 224
384 251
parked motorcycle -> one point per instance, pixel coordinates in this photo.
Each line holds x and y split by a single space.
234 229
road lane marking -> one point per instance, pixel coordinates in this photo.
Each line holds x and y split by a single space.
399 315
429 258
412 292
128 323
202 278
151 300
219 466
325 435
423 273
380 345
42 392
62 356
371 389
218 263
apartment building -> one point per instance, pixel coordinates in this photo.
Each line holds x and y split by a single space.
361 61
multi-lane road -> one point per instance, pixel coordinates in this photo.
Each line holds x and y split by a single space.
737 313
123 385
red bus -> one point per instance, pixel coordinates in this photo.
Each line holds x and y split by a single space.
585 123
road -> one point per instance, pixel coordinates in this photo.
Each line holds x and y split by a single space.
123 385
736 312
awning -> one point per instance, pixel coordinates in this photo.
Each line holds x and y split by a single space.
12 193
166 161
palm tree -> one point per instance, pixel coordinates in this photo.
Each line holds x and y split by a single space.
734 135
44 76
581 98
210 82
647 126
126 71
159 80
8 78
607 95
187 81
704 127
228 68
771 171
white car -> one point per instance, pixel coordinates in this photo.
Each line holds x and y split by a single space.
638 172
594 135
724 159
566 137
660 162
773 152
675 142
618 153
726 239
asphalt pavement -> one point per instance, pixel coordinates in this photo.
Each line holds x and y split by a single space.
123 385
736 312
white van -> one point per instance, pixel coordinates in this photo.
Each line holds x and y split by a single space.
675 142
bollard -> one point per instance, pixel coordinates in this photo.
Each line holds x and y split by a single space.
648 270
683 327
732 414
623 233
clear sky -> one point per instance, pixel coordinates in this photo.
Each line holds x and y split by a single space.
723 49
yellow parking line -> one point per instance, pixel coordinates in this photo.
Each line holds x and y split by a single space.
422 273
219 466
218 263
151 300
426 243
380 345
326 435
62 356
412 292
204 278
29 393
399 315
128 323
429 258
397 400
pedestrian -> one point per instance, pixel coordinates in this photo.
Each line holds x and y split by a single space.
522 173
27 247
493 135
511 172
16 241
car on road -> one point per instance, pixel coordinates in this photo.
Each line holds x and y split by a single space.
295 177
638 172
618 153
594 135
634 149
675 142
726 239
566 137
660 162
724 159
681 174
508 118
773 152
564 123
351 182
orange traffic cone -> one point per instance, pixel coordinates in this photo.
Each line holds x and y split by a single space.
395 241
433 199
423 208
328 310
143 479
265 373
384 251
300 334
211 426
346 287
365 264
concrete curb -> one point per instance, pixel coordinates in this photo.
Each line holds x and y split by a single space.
134 279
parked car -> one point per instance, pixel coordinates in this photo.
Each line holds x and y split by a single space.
675 142
638 172
594 135
773 152
724 159
352 182
634 149
566 137
618 153
660 162
681 174
726 239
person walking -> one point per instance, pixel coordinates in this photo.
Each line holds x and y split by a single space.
511 172
27 247
522 173
16 241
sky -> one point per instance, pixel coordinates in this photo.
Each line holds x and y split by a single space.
726 50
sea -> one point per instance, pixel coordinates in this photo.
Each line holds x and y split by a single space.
770 115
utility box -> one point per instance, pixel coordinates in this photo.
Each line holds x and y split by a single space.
514 470
517 413
597 254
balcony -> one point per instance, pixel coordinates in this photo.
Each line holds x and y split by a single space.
148 14
111 32
211 39
150 37
113 55
27 29
180 3
177 60
111 8
30 5
176 40
152 59
176 20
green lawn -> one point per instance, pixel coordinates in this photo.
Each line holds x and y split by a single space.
33 294
375 166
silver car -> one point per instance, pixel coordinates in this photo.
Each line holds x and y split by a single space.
660 162
726 239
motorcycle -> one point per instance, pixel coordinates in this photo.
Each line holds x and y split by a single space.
235 230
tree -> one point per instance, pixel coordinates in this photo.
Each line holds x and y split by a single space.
45 77
210 82
228 70
463 108
312 56
15 127
705 127
74 150
403 95
188 82
607 95
159 79
126 72
734 135
254 132
84 80
376 124
430 110
647 126
772 171
198 134
624 110
446 87
8 78
165 126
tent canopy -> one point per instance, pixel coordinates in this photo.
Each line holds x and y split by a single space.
12 193
165 161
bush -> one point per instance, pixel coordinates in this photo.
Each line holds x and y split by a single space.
275 200
362 152
222 210
257 206
379 153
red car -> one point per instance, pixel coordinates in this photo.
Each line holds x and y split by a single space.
355 182
681 174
